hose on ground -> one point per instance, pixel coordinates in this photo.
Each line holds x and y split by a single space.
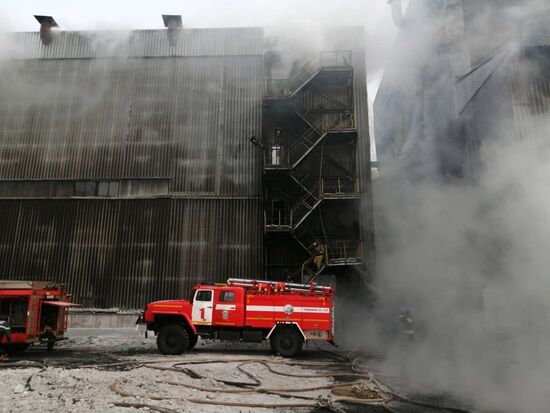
346 392
145 406
260 390
181 360
21 365
355 363
303 376
359 392
115 387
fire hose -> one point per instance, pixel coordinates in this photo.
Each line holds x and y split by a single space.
369 391
359 392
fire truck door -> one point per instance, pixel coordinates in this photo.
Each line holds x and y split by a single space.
226 312
202 307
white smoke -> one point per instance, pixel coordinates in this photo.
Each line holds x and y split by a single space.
470 258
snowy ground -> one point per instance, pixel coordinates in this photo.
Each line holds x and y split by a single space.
60 381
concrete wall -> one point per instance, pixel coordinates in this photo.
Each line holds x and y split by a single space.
102 320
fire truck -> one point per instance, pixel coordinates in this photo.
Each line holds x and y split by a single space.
286 314
35 311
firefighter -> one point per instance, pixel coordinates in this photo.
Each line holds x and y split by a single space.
407 324
48 336
407 328
319 258
5 331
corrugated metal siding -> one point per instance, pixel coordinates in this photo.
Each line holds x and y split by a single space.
364 168
477 125
517 94
139 43
530 94
188 119
176 123
126 253
222 112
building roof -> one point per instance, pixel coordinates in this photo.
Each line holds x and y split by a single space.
138 43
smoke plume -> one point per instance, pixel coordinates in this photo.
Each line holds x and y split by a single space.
468 254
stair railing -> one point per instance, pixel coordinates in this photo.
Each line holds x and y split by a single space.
328 59
311 138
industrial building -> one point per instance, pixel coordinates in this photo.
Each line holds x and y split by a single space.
463 73
463 103
134 165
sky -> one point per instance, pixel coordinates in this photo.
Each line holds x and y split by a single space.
140 14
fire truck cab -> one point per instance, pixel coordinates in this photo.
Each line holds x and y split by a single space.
35 311
245 311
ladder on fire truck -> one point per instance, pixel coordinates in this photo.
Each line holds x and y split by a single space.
274 285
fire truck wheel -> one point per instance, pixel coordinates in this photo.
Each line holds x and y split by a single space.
172 339
193 338
286 341
16 348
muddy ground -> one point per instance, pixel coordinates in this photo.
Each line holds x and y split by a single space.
79 374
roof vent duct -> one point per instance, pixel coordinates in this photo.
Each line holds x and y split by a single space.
46 24
173 23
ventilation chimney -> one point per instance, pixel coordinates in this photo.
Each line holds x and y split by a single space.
173 23
46 24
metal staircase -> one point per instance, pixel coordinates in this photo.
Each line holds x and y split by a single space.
313 107
281 221
324 61
338 252
308 203
315 190
322 114
310 271
278 157
338 187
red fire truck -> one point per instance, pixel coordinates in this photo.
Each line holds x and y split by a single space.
35 311
244 310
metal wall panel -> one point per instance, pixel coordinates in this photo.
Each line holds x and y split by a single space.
530 95
188 119
169 124
123 253
486 117
514 100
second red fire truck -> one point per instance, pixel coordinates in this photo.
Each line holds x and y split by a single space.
286 314
34 311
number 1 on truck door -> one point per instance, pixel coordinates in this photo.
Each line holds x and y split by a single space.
202 307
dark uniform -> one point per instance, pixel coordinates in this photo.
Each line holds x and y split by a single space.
5 335
48 336
319 258
407 324
407 329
